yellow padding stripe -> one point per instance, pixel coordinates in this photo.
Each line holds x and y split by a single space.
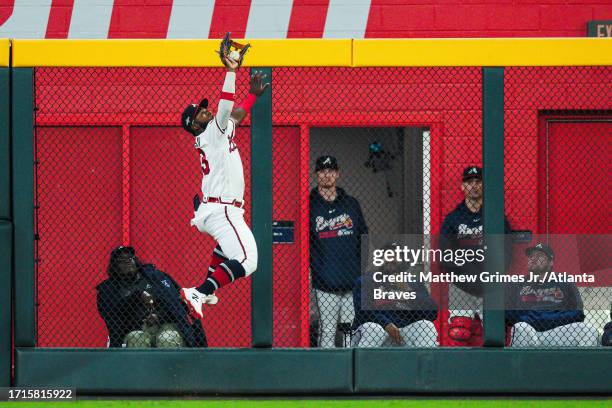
5 52
305 53
176 53
483 52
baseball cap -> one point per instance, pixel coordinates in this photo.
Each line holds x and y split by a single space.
326 162
190 112
472 172
122 250
542 248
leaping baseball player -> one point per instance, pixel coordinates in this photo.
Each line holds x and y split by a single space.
220 213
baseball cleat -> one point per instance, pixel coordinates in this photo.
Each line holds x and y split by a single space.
194 301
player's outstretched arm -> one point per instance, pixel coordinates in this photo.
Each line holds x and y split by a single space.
258 87
226 101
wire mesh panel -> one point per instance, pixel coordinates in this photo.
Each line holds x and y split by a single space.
290 286
557 147
379 150
114 168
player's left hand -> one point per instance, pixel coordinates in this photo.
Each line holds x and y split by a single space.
257 83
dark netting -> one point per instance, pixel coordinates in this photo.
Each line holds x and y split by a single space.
558 123
114 168
401 138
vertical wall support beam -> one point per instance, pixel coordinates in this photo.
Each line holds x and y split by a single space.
5 144
493 184
6 230
261 216
23 205
6 258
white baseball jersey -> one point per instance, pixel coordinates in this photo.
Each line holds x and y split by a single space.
223 178
221 164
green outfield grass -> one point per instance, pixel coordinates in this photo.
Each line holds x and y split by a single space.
368 403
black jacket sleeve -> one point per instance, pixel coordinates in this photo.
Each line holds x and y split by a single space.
193 332
111 308
606 339
107 310
120 307
172 281
574 298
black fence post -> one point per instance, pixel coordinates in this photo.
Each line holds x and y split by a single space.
5 144
6 229
23 205
493 206
261 215
6 249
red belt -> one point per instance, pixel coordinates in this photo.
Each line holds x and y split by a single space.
218 200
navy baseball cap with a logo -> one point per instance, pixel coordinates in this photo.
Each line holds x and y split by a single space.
471 173
326 162
189 113
542 248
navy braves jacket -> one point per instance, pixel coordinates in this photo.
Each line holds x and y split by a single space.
464 229
335 241
543 306
422 308
606 339
121 307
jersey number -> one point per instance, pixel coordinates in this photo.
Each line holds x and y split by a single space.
204 162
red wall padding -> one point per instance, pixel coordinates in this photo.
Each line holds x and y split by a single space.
79 221
287 274
529 91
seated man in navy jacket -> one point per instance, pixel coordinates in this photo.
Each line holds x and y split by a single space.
546 314
396 323
141 306
606 339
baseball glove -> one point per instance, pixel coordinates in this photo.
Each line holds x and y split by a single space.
225 48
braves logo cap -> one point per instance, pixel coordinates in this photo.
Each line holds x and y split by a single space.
189 113
472 172
326 162
542 248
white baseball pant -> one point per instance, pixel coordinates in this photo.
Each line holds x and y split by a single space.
421 333
225 223
331 306
578 334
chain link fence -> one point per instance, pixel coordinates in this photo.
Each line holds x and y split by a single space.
355 151
558 123
382 151
114 168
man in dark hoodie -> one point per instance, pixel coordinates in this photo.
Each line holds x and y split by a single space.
463 229
546 314
336 226
141 306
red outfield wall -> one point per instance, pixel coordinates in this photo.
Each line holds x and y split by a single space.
114 167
